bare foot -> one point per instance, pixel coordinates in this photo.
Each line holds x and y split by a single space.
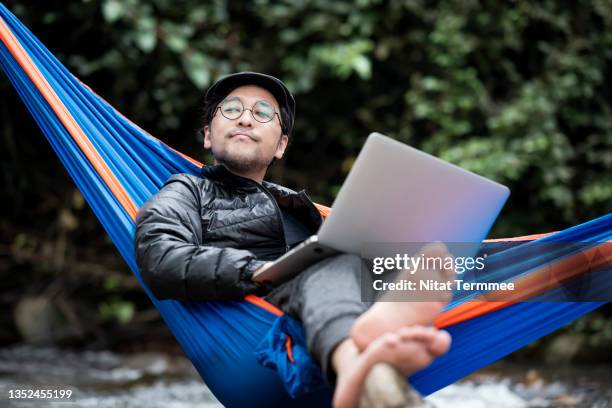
387 315
408 350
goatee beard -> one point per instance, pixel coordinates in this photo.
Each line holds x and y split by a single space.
243 166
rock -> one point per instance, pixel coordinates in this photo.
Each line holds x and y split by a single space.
564 348
33 317
40 320
470 395
568 400
148 363
155 364
385 387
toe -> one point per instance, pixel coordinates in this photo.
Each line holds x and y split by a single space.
417 333
392 339
440 343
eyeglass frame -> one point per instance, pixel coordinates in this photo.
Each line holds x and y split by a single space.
249 109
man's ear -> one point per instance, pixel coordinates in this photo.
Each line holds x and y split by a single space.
282 145
206 131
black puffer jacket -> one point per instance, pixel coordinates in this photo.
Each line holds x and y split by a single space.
201 238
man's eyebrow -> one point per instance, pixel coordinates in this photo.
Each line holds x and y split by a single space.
237 98
266 102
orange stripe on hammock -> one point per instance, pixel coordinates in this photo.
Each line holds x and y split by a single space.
542 279
75 131
535 283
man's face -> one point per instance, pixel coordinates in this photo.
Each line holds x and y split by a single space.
244 144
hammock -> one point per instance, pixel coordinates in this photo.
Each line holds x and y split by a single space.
117 166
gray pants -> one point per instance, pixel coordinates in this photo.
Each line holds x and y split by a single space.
326 297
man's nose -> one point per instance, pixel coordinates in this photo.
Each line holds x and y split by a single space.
246 120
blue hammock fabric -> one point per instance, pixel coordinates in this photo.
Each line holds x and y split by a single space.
225 339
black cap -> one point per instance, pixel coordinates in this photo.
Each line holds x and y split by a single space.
220 89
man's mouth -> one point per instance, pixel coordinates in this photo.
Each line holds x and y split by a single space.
242 135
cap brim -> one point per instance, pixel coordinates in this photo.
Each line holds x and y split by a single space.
226 84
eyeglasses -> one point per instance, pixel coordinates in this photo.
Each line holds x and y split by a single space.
261 111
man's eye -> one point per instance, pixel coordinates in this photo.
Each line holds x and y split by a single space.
263 115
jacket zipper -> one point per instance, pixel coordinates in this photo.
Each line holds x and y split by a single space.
278 211
312 207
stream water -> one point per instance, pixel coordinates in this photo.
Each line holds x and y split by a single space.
103 379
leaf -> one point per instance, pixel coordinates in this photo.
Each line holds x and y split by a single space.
117 310
196 67
145 35
112 10
362 66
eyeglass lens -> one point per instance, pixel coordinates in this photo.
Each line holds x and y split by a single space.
233 108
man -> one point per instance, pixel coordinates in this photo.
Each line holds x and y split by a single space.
203 238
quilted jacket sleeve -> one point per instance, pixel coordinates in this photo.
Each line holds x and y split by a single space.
173 261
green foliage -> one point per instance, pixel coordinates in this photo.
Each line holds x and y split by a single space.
517 91
116 310
597 328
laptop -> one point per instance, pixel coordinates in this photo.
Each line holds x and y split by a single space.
394 194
